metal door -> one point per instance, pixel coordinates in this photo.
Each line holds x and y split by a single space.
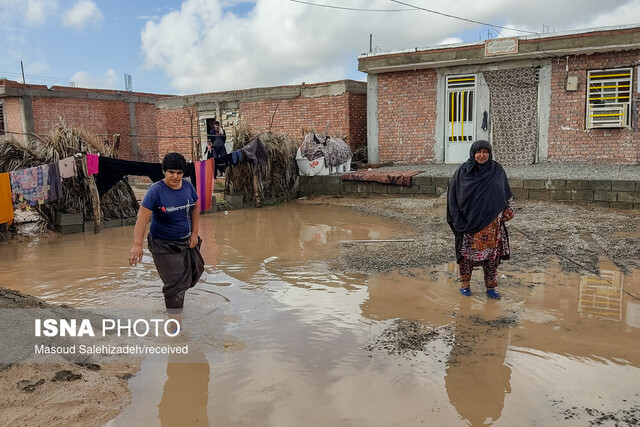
460 128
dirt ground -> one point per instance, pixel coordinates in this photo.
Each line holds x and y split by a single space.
59 393
579 237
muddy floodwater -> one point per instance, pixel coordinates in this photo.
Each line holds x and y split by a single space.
292 342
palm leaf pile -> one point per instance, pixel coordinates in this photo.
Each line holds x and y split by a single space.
278 180
64 141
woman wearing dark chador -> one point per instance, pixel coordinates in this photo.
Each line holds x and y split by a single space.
479 203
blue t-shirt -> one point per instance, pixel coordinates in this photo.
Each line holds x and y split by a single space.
171 219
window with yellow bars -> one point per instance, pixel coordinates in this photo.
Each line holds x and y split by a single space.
460 107
609 98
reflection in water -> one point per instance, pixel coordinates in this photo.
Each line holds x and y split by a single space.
186 392
477 378
295 333
601 296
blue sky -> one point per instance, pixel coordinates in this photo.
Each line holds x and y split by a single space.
197 46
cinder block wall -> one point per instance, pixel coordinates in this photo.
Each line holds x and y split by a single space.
569 140
603 193
407 116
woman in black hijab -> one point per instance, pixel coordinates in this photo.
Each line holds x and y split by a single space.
478 205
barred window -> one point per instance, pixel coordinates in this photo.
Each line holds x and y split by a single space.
609 98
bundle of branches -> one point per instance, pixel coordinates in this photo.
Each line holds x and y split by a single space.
279 178
64 141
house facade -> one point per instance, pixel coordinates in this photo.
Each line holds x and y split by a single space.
149 125
339 106
558 97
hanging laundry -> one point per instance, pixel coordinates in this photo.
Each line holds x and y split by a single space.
6 205
236 156
113 170
256 151
31 183
204 178
55 181
92 164
68 167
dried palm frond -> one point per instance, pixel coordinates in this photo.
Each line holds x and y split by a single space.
64 141
278 179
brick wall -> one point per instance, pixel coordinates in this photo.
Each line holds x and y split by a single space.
569 140
146 132
175 127
294 115
357 120
13 117
407 116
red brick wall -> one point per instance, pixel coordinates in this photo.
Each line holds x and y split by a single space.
146 132
569 140
294 115
407 116
104 118
175 128
13 117
357 120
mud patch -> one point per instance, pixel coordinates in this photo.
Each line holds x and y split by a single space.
66 375
29 386
621 417
405 338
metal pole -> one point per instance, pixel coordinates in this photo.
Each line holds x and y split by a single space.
22 67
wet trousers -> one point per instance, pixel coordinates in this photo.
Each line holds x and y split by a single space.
490 268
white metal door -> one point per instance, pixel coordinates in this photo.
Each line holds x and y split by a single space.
460 128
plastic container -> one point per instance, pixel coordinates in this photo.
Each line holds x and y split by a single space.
311 167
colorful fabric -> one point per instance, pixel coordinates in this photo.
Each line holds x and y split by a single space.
337 152
92 164
492 243
6 205
486 238
489 267
204 180
403 178
514 112
68 167
31 183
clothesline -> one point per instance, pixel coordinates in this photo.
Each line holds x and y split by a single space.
39 184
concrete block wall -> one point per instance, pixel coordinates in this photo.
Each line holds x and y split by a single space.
407 110
569 140
609 194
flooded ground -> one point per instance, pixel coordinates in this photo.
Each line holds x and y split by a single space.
294 341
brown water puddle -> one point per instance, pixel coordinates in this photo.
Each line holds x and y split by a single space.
299 345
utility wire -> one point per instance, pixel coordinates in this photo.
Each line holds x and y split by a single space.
463 19
351 8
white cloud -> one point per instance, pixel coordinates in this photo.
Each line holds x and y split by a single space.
84 13
32 12
37 11
202 47
86 80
